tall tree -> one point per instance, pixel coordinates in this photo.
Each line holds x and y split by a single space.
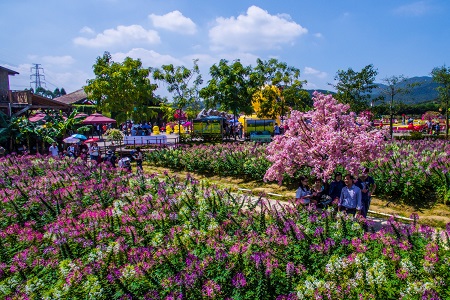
354 88
267 102
231 87
394 86
122 89
327 137
441 75
287 79
182 83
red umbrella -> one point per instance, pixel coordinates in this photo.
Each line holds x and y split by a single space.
37 117
91 140
97 119
80 115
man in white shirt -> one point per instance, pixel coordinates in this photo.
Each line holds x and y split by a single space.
53 150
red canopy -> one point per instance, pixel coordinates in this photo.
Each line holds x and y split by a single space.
37 117
80 115
97 119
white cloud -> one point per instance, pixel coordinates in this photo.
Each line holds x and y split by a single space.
64 61
255 30
70 81
413 9
120 36
149 58
314 72
174 21
60 61
87 30
318 35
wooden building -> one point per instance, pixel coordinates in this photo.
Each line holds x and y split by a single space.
23 102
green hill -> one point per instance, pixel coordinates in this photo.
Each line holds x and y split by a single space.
423 91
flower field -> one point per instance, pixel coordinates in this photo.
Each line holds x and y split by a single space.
411 172
231 159
73 231
414 172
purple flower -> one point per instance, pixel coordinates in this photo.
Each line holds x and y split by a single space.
290 269
210 289
239 280
318 232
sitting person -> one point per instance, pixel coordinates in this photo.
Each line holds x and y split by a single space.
336 186
318 190
303 194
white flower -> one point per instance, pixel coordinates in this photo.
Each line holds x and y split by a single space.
128 272
356 226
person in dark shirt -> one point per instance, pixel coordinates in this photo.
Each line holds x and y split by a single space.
336 186
367 186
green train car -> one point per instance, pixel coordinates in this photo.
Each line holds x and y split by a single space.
260 130
208 128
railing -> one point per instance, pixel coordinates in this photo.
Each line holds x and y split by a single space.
20 97
148 140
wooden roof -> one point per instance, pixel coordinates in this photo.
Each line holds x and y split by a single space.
10 72
75 97
44 102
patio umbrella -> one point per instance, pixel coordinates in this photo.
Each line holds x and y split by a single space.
71 140
38 117
79 136
97 119
91 140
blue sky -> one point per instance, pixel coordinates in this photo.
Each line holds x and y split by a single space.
319 37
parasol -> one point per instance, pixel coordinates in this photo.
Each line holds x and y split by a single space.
79 136
91 140
71 140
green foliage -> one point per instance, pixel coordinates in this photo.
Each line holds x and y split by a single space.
113 134
182 83
354 88
121 89
414 172
231 87
49 94
441 75
287 79
395 85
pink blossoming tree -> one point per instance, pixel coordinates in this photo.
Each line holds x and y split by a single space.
323 139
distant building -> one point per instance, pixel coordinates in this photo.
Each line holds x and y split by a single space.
4 82
77 97
20 102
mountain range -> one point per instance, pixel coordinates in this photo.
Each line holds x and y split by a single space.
423 90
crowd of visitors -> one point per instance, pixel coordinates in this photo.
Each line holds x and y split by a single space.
352 195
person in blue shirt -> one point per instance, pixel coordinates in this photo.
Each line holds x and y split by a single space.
336 186
350 200
303 193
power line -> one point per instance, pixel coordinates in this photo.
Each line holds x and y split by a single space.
37 77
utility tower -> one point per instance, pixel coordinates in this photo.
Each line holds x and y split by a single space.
37 77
